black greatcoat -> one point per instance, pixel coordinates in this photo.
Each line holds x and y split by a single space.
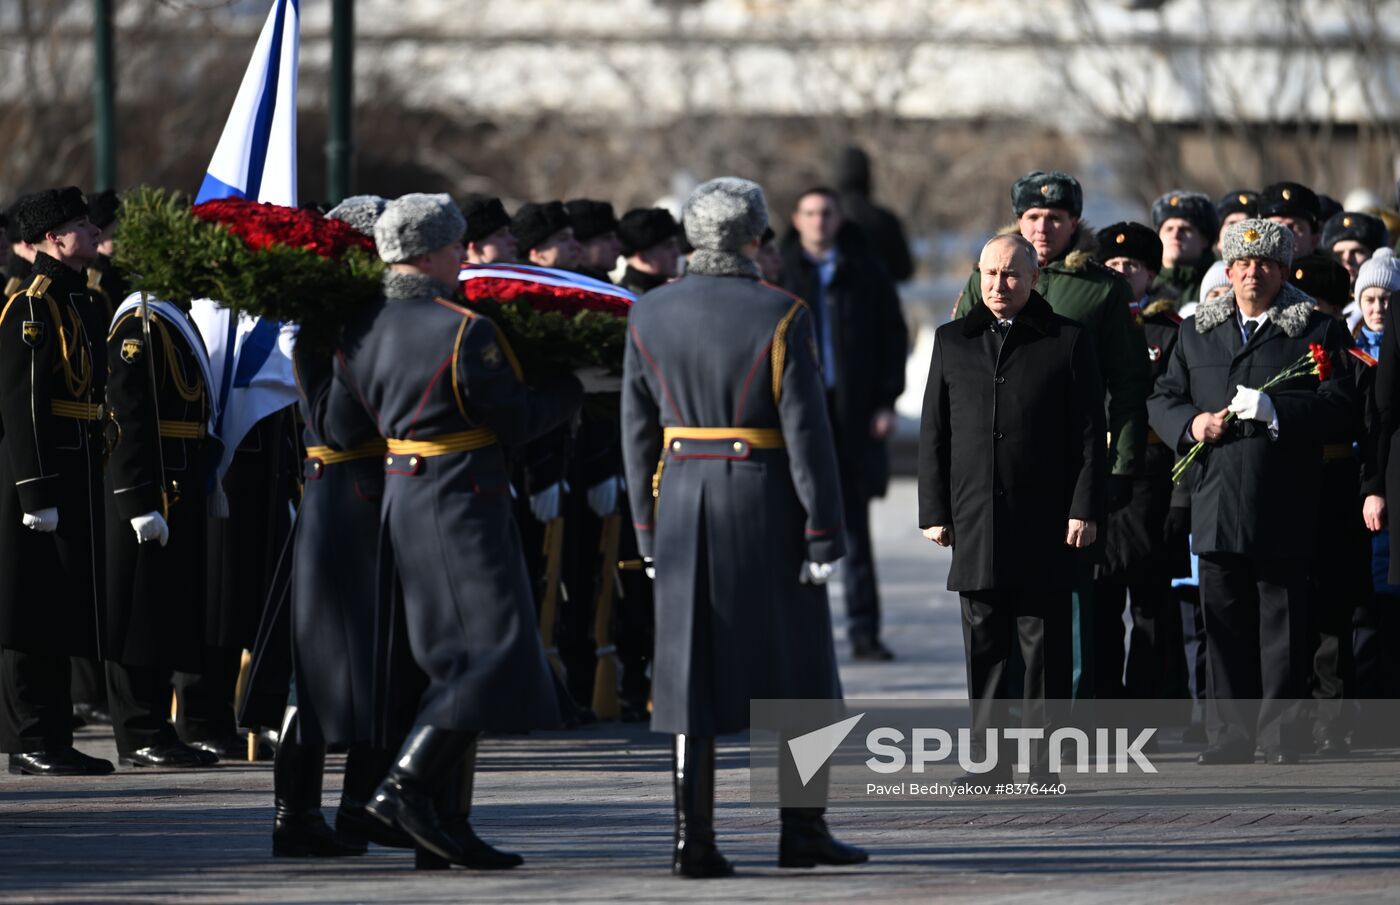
1012 447
154 616
731 524
334 600
1383 478
1254 495
425 369
52 361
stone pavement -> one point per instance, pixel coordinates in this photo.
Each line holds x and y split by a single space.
591 813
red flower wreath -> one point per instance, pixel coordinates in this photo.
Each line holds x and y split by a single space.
265 225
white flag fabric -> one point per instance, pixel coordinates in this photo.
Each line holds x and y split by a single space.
256 158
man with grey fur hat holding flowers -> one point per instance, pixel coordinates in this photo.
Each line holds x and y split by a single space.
446 393
733 481
1253 498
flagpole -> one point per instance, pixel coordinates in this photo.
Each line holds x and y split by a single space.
340 146
104 92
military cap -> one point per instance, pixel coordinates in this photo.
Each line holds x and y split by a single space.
591 219
1238 201
534 223
1263 239
725 214
359 212
103 207
416 224
485 215
1356 226
1327 207
33 215
644 228
1322 278
1040 189
1290 199
1193 207
1130 240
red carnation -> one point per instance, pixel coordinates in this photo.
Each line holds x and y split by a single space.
1322 366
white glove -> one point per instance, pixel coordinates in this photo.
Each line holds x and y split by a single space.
548 503
603 496
45 521
151 526
816 572
1252 405
650 567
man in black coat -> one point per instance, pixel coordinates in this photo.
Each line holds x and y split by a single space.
53 368
447 395
863 343
881 227
1012 467
1254 498
732 479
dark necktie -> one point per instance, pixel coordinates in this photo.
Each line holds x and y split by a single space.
1249 328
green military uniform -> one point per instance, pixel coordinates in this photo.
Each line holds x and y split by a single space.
1081 289
1184 279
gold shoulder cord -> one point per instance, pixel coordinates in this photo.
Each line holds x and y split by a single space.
779 355
189 391
74 360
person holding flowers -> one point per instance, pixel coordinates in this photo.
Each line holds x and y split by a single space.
1256 383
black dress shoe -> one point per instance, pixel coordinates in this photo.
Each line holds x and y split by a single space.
92 715
233 748
806 841
353 822
305 834
60 762
1217 755
177 755
870 650
1280 756
1333 745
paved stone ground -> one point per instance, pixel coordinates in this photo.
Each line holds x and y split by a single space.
591 813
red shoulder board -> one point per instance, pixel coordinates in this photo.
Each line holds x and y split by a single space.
1362 357
1176 318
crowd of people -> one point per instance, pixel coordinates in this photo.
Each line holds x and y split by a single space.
460 527
1232 353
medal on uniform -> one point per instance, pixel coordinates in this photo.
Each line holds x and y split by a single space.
33 332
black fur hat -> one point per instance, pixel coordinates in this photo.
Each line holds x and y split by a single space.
1041 189
103 207
1193 207
1364 228
590 218
1322 278
1238 201
40 212
1290 199
485 214
1130 240
645 227
534 223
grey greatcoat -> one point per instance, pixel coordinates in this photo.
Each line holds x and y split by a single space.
1012 447
429 370
732 521
1255 495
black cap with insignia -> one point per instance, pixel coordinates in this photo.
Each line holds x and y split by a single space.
1237 201
1130 240
1358 227
1322 278
1290 199
1040 189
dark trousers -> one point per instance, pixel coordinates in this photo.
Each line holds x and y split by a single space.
1257 652
89 683
573 632
140 699
1193 630
862 589
1376 637
1038 624
36 712
204 700
636 620
1155 658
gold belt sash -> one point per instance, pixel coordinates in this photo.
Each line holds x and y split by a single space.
466 441
1335 452
182 430
82 411
327 456
756 437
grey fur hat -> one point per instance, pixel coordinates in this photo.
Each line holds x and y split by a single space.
416 224
1257 239
359 212
725 214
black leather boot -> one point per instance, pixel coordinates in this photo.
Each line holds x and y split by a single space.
806 841
299 830
455 807
365 768
695 854
411 798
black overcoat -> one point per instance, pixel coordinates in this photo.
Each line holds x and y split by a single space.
1253 494
53 370
1012 446
425 368
731 524
1382 455
154 614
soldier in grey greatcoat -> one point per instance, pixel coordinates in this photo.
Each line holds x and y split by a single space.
446 393
735 495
